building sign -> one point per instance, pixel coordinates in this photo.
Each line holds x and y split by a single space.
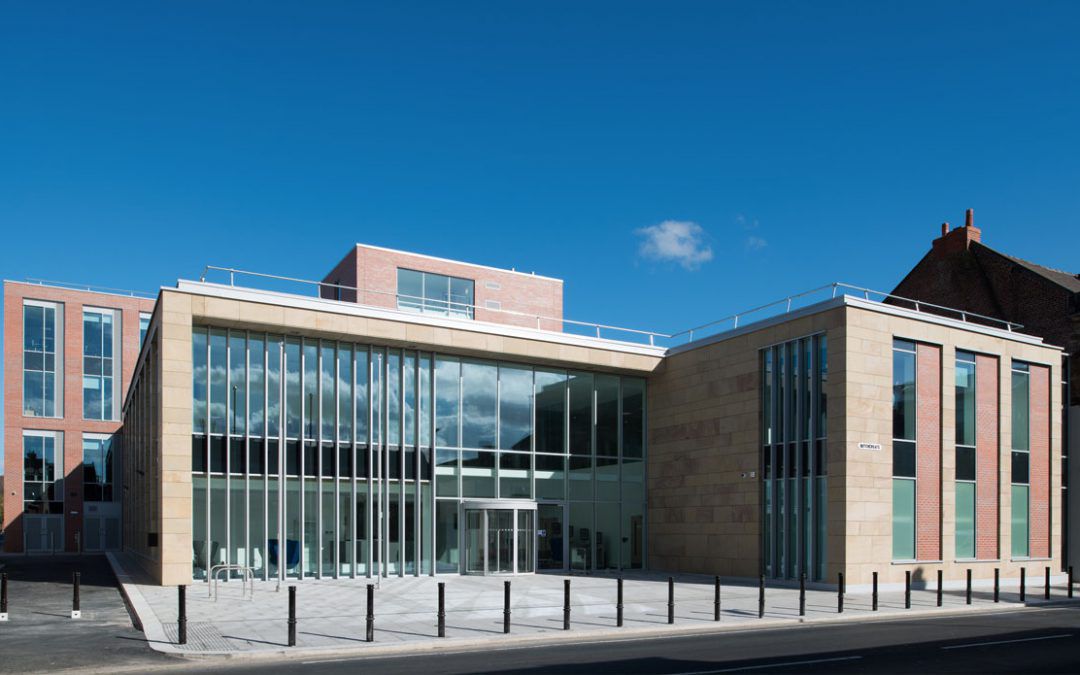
869 446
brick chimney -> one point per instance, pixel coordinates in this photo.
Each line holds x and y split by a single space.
958 240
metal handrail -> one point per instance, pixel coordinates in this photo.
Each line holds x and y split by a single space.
247 579
788 303
88 287
539 319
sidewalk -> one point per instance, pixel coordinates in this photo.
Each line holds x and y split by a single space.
331 614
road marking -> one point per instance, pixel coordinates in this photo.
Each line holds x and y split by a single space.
1008 642
771 665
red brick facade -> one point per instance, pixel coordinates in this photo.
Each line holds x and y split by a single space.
1039 468
500 295
928 449
72 423
987 457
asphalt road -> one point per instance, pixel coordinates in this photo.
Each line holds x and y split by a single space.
1029 641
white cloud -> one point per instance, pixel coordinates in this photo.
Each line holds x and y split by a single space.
677 241
755 243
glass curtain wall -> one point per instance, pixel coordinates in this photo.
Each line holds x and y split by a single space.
794 457
325 459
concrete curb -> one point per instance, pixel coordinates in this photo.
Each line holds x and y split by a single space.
158 639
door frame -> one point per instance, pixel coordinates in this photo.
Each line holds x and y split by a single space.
564 507
485 505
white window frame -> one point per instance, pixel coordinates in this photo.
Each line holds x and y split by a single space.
118 350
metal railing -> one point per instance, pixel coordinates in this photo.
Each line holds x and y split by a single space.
462 310
467 311
91 288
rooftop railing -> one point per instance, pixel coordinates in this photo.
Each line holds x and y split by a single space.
93 289
468 311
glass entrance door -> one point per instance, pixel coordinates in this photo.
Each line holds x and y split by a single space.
498 540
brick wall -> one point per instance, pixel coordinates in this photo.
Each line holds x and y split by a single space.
928 449
1039 471
72 424
987 454
513 293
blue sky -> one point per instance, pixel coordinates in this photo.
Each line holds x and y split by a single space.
775 146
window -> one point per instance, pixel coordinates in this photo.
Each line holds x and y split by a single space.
430 293
1021 409
98 468
903 524
144 325
43 472
100 368
42 358
965 454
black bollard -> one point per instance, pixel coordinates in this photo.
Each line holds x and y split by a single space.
292 616
1070 587
505 606
874 606
802 594
761 597
566 605
442 609
997 584
3 596
619 606
716 600
181 619
370 637
1023 583
907 589
968 599
671 599
1046 587
840 593
75 579
939 588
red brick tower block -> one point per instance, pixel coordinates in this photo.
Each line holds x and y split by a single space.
1040 462
928 461
987 457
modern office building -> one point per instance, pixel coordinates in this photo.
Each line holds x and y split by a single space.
69 354
409 415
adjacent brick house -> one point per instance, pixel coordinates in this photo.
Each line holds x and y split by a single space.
962 272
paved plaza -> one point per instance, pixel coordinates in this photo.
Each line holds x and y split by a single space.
331 614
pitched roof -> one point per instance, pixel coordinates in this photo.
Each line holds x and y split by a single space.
1066 280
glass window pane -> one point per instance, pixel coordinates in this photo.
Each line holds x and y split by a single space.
393 397
345 402
478 385
514 475
446 536
633 416
477 474
410 290
965 402
218 380
273 385
311 388
607 536
581 413
965 463
447 374
292 387
515 408
965 520
237 382
550 477
409 405
904 395
1020 410
436 293
461 297
550 411
607 415
903 519
256 354
1020 467
581 536
1019 521
581 475
362 408
903 459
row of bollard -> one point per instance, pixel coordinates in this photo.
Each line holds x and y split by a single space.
619 606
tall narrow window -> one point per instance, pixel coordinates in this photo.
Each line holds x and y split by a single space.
97 468
42 356
144 325
903 525
43 472
965 454
1021 456
100 368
